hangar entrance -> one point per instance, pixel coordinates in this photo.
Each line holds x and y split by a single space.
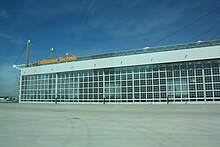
111 87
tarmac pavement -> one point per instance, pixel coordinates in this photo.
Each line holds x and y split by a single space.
50 125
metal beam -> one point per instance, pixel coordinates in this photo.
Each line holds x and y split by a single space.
27 52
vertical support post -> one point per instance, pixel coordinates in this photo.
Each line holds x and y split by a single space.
133 84
19 97
103 86
56 90
51 53
203 76
27 52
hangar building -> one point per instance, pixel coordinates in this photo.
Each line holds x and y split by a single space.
185 73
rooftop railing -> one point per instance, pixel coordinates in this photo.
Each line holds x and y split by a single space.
153 49
146 50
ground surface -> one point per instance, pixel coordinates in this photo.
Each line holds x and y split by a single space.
49 125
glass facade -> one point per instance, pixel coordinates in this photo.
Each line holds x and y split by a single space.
163 83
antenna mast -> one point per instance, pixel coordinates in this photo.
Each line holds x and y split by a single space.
27 52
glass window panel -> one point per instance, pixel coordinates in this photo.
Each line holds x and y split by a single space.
183 73
183 66
129 70
149 75
190 66
208 79
162 75
207 71
100 78
216 86
155 75
129 83
207 65
136 76
155 68
184 87
176 73
90 90
177 87
162 68
169 74
198 65
95 84
200 94
130 96
123 89
149 96
176 81
136 89
96 72
100 84
192 94
117 77
136 96
85 84
142 76
192 80
184 80
143 82
209 94
100 72
95 90
216 78
208 86
215 64
156 95
184 95
198 72
156 88
175 67
130 89
123 83
170 81
192 87
136 69
149 82
169 67
142 69
117 70
148 68
199 86
129 76
143 89
215 71
156 81
136 82
90 84
123 70
107 78
199 79
216 93
163 95
112 77
162 88
123 77
149 88
191 73
143 95
162 81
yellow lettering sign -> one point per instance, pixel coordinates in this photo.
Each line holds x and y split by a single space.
61 59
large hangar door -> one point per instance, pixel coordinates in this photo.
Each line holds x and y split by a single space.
111 87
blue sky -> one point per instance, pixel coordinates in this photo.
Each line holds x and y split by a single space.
87 27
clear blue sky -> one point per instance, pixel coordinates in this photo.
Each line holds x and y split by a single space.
86 27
